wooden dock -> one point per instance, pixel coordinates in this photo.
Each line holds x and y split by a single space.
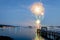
49 34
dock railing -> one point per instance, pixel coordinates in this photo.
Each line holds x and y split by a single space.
52 35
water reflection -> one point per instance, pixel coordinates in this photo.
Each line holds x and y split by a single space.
20 33
38 37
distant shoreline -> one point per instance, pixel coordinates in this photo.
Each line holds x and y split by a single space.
7 26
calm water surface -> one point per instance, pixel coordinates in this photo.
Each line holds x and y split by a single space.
20 33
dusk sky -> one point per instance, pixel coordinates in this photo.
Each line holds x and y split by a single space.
16 12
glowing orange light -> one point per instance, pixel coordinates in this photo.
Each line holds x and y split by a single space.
37 9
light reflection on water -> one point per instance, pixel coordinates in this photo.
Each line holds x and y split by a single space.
37 37
19 33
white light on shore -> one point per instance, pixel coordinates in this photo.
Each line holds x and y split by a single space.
37 21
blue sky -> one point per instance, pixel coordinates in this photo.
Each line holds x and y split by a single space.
16 12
